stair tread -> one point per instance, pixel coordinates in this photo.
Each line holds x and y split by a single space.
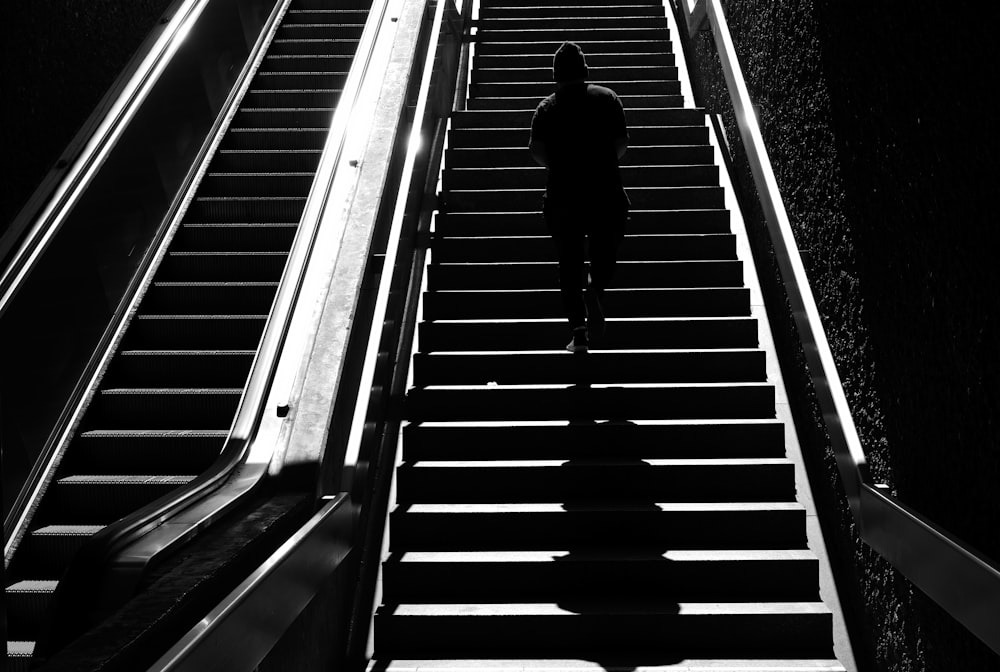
620 555
595 462
67 530
155 433
603 607
608 664
580 508
126 479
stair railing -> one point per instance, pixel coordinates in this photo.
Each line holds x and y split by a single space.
957 577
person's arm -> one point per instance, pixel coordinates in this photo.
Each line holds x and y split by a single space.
538 152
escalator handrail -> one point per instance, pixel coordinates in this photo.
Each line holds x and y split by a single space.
960 579
44 215
243 462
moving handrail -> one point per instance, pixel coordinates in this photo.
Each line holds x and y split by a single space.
231 635
959 579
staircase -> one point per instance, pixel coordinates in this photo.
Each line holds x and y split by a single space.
632 506
164 408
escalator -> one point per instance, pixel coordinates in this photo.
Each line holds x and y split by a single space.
634 505
163 408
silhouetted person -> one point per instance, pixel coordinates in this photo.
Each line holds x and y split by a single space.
579 133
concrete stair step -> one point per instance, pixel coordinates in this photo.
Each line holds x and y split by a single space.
540 274
541 89
477 138
617 11
619 663
596 59
620 334
627 303
550 575
578 526
632 176
529 103
519 157
568 21
641 222
641 116
608 73
613 480
598 400
582 627
664 439
625 366
582 35
526 200
638 247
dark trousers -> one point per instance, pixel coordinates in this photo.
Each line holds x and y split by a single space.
572 246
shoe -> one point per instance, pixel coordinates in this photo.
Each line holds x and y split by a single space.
595 314
579 342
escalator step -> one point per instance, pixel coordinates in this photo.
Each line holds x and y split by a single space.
321 97
545 303
317 16
241 237
105 498
636 366
256 184
165 408
281 210
27 602
299 80
275 138
622 334
314 31
283 117
132 451
235 160
323 46
548 440
180 368
196 332
210 298
223 266
308 62
51 548
19 655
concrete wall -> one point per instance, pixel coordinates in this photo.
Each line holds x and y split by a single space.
876 120
59 58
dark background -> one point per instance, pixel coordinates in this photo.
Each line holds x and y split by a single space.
877 122
876 119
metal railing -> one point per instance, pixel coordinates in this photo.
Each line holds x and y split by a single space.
963 582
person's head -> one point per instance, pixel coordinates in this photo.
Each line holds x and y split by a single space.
569 65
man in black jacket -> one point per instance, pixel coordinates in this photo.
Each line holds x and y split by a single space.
579 133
